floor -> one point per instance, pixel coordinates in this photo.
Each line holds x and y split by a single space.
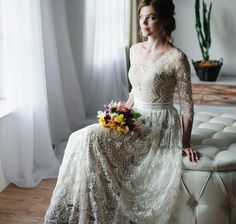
25 206
222 79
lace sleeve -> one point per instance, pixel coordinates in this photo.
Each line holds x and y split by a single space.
133 52
184 86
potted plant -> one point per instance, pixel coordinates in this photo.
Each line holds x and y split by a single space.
206 69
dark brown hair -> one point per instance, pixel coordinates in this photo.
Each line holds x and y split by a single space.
165 10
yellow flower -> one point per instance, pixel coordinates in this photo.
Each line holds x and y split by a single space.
114 121
102 121
120 129
112 124
120 119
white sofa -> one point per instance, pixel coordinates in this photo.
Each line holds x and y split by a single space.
208 191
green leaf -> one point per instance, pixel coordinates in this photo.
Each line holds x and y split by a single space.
136 115
209 25
205 22
203 27
197 11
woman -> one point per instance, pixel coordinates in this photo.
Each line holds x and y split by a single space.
107 177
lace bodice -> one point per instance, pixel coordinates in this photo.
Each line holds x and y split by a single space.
156 83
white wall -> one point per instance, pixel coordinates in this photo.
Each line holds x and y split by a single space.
223 27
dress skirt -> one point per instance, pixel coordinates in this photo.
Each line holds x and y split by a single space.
108 177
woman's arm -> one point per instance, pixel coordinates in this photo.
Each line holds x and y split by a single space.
187 129
186 106
187 149
130 101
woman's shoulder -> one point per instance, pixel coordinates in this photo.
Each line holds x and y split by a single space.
134 52
179 54
135 47
180 60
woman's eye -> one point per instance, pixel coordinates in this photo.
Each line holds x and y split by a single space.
153 17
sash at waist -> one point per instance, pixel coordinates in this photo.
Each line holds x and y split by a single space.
152 106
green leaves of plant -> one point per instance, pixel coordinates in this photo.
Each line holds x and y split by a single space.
203 27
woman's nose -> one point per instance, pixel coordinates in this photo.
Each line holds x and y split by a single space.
144 21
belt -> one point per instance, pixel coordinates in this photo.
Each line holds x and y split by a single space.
152 106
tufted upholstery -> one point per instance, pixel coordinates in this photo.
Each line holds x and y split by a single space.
208 190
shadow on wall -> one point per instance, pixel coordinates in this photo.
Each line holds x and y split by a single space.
223 27
223 24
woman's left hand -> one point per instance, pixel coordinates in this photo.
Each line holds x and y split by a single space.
192 154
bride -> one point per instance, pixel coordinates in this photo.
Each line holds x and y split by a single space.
114 178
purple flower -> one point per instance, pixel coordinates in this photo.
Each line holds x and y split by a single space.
107 109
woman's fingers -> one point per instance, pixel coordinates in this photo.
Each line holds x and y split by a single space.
198 154
188 154
184 153
192 154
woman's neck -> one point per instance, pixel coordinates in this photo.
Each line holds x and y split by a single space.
156 44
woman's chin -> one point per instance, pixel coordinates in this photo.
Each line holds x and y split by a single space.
145 34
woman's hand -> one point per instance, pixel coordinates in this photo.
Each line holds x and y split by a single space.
129 103
192 154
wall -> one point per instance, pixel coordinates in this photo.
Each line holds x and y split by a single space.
223 27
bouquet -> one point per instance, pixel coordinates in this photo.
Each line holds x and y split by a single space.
119 117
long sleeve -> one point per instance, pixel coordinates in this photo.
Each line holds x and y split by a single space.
133 60
184 86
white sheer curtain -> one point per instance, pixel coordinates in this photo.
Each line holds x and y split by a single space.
41 84
105 71
25 145
66 107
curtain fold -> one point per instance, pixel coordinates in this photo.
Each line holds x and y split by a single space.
104 71
132 26
66 107
25 144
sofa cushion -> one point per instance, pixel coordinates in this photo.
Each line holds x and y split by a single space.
214 136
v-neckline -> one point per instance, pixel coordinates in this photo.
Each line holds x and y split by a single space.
154 63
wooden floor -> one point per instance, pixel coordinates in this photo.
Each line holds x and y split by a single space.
25 206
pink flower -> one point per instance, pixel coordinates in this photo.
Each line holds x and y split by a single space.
122 106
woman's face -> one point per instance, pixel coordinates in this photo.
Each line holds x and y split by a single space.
148 21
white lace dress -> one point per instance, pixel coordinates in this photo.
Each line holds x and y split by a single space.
112 178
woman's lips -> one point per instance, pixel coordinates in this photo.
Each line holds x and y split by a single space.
145 29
